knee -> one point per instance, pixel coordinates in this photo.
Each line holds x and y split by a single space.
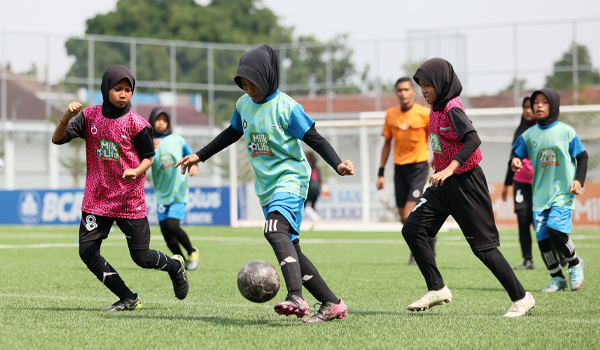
169 225
410 231
142 258
88 253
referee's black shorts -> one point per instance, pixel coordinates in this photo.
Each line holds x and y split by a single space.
409 181
95 227
466 197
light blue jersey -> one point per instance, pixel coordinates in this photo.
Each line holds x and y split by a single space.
170 184
273 129
552 150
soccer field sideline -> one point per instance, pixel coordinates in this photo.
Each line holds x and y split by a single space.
120 240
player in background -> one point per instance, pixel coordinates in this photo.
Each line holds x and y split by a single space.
458 188
559 163
119 150
314 189
171 186
521 182
273 124
408 126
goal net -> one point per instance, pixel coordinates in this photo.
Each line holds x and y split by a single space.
353 201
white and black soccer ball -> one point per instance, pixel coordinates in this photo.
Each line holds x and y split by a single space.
258 281
252 147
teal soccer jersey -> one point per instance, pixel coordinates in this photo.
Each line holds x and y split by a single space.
171 186
552 150
273 129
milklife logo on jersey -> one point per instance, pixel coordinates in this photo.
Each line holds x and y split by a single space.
548 157
167 161
436 144
108 150
259 144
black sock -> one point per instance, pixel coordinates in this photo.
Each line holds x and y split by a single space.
312 280
276 232
563 243
549 258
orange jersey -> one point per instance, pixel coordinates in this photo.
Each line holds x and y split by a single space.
410 131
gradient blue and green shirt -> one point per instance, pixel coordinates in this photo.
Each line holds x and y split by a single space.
169 183
273 129
552 150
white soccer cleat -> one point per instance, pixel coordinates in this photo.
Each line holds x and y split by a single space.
431 299
521 307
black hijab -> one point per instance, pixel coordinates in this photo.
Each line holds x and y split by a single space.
439 74
261 68
156 111
554 100
111 77
525 124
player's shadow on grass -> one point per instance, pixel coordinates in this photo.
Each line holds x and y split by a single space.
384 312
224 321
480 289
445 267
51 308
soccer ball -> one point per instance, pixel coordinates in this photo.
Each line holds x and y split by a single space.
252 147
258 281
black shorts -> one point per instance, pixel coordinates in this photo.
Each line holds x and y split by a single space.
95 227
466 197
409 181
523 197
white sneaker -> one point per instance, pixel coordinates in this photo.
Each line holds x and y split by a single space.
431 299
521 307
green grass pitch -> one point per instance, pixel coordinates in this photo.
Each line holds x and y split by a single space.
49 299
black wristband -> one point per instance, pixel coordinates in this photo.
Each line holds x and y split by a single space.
62 122
381 170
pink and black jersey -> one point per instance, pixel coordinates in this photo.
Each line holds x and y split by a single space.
113 145
445 141
110 151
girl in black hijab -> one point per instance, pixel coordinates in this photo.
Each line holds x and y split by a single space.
521 182
119 150
459 188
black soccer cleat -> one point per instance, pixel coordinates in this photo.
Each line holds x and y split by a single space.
126 305
181 285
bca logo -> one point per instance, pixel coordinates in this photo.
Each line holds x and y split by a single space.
29 207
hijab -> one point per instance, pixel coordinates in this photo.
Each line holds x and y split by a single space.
156 111
554 100
111 77
525 124
439 74
261 68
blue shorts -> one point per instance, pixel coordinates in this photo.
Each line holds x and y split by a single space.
558 218
173 210
291 207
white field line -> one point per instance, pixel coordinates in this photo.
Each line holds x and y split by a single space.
451 241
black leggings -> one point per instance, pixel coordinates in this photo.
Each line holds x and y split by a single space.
174 236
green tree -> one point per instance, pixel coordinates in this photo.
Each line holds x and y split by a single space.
562 76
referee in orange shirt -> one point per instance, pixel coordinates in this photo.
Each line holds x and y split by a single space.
408 125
